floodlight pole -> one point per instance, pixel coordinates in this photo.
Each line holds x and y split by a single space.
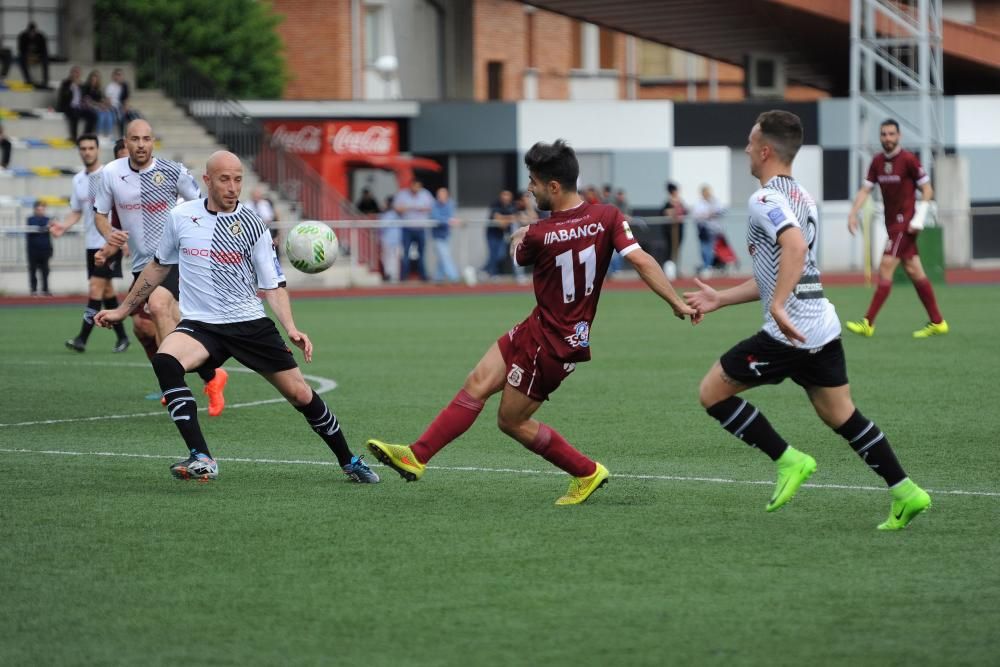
896 71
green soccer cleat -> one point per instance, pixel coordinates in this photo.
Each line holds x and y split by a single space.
794 468
908 500
862 327
581 488
939 329
398 457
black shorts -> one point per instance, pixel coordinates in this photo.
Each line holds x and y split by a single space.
761 359
172 282
256 344
111 269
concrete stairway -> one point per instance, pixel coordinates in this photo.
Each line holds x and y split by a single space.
180 138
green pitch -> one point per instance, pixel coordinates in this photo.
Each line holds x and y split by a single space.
107 560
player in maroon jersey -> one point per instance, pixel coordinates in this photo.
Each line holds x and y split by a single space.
570 252
899 175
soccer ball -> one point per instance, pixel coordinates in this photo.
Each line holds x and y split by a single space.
311 247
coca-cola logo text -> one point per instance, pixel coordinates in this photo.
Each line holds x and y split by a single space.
306 139
373 140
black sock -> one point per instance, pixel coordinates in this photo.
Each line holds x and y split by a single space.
111 304
93 305
325 423
870 443
180 402
206 373
747 423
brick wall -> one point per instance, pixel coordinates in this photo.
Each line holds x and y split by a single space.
317 38
499 35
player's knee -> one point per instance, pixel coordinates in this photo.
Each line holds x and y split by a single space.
509 425
168 369
160 308
300 395
707 396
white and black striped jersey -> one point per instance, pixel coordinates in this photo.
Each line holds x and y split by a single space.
143 200
81 200
223 259
783 203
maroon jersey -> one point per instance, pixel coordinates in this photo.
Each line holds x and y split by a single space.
898 176
571 251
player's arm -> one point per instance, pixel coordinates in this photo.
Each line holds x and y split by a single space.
859 200
790 265
187 187
651 273
281 306
707 298
59 228
153 274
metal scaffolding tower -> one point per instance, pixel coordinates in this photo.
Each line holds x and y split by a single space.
897 72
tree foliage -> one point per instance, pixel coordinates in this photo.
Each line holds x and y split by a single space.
232 42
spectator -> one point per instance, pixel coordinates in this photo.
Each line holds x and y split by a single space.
367 203
39 249
675 211
6 57
503 213
706 213
69 101
264 208
4 149
414 203
32 49
443 213
391 237
94 99
591 196
117 95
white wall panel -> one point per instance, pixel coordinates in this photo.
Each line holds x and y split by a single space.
597 126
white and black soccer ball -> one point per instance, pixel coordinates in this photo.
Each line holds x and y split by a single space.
311 247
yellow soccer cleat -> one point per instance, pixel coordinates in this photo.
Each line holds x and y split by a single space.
862 327
794 468
580 488
398 457
939 329
908 500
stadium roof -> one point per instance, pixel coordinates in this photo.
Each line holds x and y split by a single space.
813 35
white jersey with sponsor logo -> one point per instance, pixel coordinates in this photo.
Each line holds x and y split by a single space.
781 204
81 200
143 200
223 259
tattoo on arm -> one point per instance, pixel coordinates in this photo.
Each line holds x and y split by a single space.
141 295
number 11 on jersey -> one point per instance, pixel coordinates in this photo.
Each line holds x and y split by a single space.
587 257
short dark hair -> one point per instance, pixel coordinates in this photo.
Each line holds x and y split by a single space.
671 187
889 121
783 130
119 144
554 162
38 202
87 137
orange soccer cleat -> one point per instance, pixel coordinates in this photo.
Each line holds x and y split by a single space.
213 389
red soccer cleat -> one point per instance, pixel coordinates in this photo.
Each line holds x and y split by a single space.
213 389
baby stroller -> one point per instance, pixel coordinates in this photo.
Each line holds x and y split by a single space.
724 260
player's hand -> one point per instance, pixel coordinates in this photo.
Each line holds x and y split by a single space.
57 229
109 318
852 223
781 318
301 341
118 238
705 300
682 311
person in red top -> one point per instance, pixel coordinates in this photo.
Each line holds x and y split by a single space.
899 175
570 251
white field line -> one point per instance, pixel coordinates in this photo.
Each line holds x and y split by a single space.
514 471
321 385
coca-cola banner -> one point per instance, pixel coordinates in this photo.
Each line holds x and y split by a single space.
313 139
363 138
